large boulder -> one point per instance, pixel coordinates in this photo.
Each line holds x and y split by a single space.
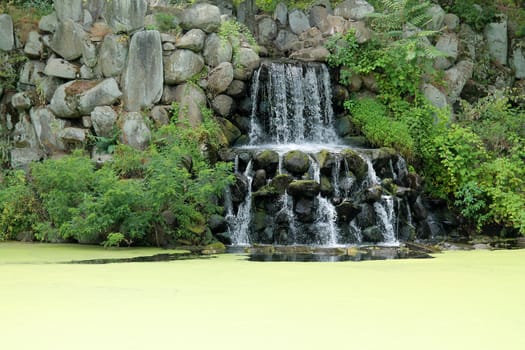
191 99
311 54
32 72
69 9
457 77
518 62
7 35
304 188
223 105
448 43
437 17
143 76
57 67
435 96
267 160
280 14
266 30
497 41
113 55
21 101
22 157
125 15
245 62
89 53
104 119
356 164
298 21
181 66
216 50
67 40
318 15
134 131
230 131
286 40
80 97
353 9
220 78
296 162
193 40
202 16
48 23
34 47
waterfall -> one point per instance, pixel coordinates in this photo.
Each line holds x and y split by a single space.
292 111
326 215
240 223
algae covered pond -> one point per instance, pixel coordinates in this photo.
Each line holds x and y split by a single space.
459 300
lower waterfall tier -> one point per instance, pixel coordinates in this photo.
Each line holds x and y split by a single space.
324 197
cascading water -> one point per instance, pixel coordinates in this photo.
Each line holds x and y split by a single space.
292 112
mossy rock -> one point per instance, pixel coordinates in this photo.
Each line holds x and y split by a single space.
259 220
214 248
267 160
326 160
280 183
304 188
356 164
372 234
326 186
230 131
296 162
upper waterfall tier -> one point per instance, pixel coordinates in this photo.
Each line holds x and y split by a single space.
292 103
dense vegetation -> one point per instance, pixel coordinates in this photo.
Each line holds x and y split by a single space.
159 196
475 160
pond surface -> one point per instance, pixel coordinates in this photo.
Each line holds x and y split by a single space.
458 300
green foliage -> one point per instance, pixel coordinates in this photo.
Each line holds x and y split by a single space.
114 239
475 13
372 117
166 22
19 207
10 64
38 7
236 33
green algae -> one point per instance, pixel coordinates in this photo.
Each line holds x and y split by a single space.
459 300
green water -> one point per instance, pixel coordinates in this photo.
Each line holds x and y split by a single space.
459 300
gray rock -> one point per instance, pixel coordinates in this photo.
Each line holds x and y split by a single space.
7 35
518 62
497 41
104 120
86 122
168 47
168 38
48 23
311 54
448 43
202 16
142 80
362 33
296 162
191 99
266 30
193 40
333 25
24 133
304 209
220 78
69 9
353 9
60 68
34 47
236 88
47 128
68 40
80 97
437 18
89 53
216 50
47 87
451 21
125 15
134 130
113 55
318 16
285 40
21 101
72 137
281 14
223 105
244 63
457 77
435 96
87 73
31 72
298 21
230 131
21 157
160 115
181 66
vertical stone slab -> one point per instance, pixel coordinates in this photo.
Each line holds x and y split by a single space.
125 15
69 9
7 37
142 79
